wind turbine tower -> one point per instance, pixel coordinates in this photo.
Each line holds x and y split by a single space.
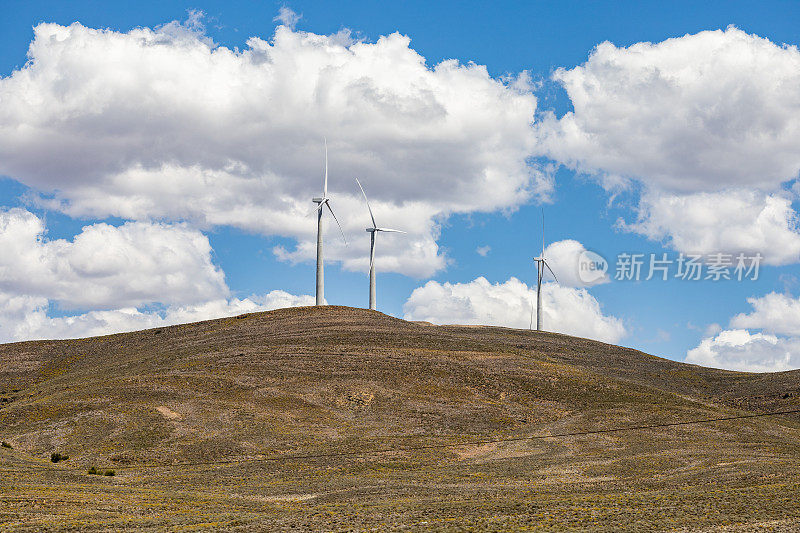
322 202
372 232
541 264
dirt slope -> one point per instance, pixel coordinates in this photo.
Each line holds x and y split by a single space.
270 420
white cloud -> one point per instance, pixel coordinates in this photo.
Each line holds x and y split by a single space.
707 123
15 311
24 318
566 258
775 348
696 113
287 17
739 221
276 299
483 251
738 349
164 124
106 266
773 312
566 310
119 274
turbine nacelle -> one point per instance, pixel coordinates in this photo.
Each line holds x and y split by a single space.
543 261
373 230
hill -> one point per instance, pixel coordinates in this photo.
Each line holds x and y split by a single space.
342 418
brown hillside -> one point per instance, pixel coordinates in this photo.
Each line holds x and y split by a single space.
284 419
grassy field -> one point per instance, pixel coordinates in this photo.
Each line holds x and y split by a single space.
337 418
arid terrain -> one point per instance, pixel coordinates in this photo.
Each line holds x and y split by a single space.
337 418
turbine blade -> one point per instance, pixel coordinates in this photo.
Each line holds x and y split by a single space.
371 253
551 270
374 225
337 222
543 235
390 230
315 210
325 182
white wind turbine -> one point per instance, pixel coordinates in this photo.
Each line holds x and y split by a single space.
323 201
541 264
372 231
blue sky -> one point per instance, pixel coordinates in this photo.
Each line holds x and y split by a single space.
662 318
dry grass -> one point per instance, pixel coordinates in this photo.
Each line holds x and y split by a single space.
312 381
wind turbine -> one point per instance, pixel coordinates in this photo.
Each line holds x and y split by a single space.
323 201
372 231
541 264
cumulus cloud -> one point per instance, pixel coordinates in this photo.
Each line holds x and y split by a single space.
773 312
483 251
738 349
135 276
740 221
566 310
163 124
775 348
703 121
106 266
566 258
287 17
15 311
696 113
25 318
